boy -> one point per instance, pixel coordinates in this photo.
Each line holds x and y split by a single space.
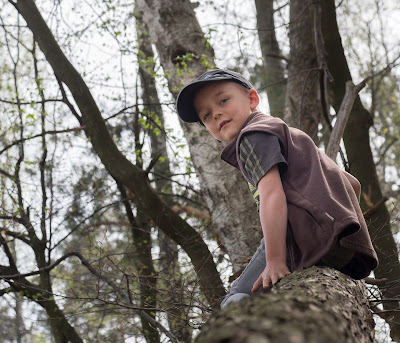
308 207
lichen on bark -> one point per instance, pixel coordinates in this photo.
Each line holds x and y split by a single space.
318 304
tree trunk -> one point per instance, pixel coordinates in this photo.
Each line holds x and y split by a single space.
170 279
19 319
274 70
302 106
358 149
116 163
309 306
62 331
175 31
142 260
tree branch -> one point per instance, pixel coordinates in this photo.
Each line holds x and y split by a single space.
51 132
101 277
346 106
116 163
11 177
308 306
19 236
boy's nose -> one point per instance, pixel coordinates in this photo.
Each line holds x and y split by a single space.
216 114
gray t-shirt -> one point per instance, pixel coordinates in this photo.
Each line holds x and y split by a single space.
258 153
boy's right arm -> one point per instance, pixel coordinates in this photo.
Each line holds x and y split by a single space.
273 216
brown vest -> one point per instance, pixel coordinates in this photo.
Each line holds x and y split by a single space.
322 206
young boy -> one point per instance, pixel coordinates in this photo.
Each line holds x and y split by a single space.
308 207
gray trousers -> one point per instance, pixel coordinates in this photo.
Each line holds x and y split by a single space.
241 287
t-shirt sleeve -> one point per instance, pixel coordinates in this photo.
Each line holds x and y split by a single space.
258 153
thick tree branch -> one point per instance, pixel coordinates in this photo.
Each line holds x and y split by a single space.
346 106
16 235
309 306
8 253
118 166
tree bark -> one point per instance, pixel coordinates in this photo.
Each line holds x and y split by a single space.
302 105
118 166
309 306
358 149
274 70
62 331
170 278
142 259
175 31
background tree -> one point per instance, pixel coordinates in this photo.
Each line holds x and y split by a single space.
362 165
183 56
273 66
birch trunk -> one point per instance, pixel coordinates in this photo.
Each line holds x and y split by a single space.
169 276
309 306
176 33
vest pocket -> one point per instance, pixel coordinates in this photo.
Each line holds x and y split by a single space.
312 233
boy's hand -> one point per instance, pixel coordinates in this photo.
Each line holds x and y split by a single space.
273 272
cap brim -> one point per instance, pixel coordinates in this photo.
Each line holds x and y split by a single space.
184 101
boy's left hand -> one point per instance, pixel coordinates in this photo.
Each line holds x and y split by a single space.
273 272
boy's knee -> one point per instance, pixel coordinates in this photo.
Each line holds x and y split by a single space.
233 298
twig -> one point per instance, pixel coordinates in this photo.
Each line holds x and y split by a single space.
368 213
191 211
52 132
152 163
375 282
101 277
30 102
67 102
346 107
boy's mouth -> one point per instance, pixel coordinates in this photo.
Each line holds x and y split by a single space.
223 123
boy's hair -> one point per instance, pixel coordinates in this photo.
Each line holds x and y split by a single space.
184 101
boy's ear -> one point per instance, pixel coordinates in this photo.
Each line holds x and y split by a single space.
254 99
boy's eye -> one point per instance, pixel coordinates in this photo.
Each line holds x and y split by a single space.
206 116
224 100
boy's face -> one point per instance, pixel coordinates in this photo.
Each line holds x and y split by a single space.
223 107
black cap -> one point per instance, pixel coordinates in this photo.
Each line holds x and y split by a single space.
184 101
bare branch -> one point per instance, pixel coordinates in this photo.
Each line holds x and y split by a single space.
153 162
30 102
100 276
368 213
191 211
346 107
51 132
11 177
16 235
6 291
140 104
7 251
375 282
68 103
41 270
115 162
